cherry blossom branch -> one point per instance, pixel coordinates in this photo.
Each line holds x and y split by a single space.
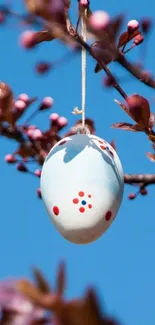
135 71
143 179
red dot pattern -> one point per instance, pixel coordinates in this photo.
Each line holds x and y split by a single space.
82 209
81 194
108 215
103 147
75 201
56 210
111 153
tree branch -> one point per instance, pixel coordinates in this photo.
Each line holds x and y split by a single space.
135 71
144 179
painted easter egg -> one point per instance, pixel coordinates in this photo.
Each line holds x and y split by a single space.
82 187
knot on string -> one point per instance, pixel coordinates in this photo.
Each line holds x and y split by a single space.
81 129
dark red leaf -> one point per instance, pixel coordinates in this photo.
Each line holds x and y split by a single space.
151 156
139 109
126 37
61 279
6 103
128 127
41 282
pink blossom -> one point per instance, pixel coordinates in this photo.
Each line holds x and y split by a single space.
10 158
84 3
62 121
35 134
20 105
99 20
54 117
133 25
39 192
37 172
24 98
47 102
138 39
27 39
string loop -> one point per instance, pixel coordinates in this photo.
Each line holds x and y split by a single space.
76 110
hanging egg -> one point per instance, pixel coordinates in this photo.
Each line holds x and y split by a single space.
82 187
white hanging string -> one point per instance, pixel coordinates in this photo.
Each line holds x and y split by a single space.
83 71
83 64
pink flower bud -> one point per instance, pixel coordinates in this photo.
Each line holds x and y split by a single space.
47 102
62 121
84 3
131 196
42 67
24 98
39 192
54 117
37 172
22 168
27 39
32 127
35 134
132 26
138 39
10 159
99 20
20 105
143 191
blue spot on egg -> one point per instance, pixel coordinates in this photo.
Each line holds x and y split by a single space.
83 202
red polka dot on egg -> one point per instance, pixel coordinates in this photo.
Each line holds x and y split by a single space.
103 147
108 215
56 210
81 193
82 209
75 201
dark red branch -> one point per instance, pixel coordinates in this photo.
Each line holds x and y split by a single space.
144 179
135 71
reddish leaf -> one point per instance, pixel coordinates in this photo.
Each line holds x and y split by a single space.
139 109
85 311
128 127
126 37
6 103
151 156
61 277
41 282
152 137
112 143
44 36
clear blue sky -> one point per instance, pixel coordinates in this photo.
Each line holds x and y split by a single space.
122 263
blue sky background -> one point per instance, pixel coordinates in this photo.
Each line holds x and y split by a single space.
121 264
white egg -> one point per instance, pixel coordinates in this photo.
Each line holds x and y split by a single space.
82 186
